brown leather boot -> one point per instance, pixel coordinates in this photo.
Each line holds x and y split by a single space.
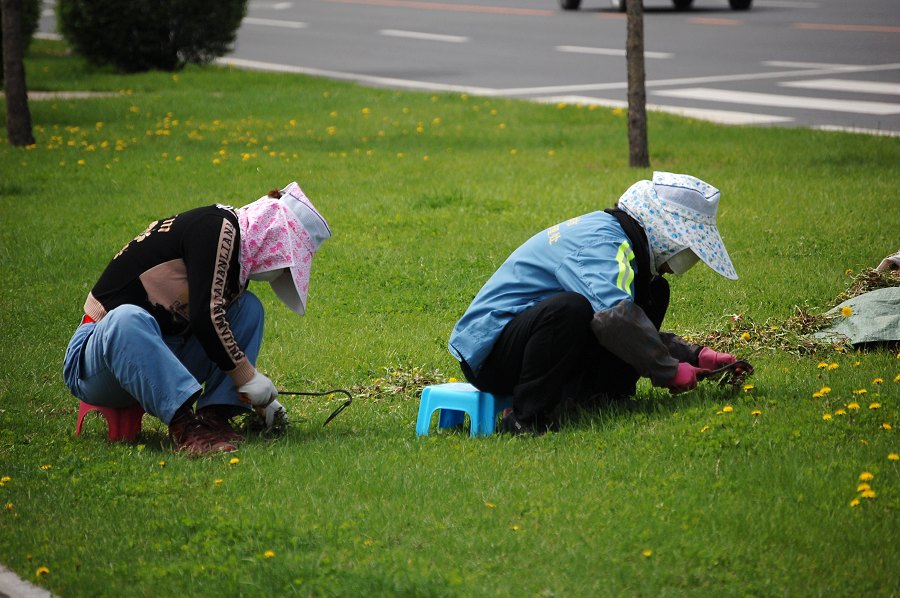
218 417
195 437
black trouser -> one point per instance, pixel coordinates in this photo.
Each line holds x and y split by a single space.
548 353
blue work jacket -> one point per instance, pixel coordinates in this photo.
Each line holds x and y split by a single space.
589 255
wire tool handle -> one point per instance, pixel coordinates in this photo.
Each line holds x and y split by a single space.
334 413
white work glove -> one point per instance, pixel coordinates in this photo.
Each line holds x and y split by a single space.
275 413
259 391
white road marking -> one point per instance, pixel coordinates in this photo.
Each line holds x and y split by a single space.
432 37
875 132
770 99
848 85
786 4
788 64
275 23
607 51
722 117
273 6
52 36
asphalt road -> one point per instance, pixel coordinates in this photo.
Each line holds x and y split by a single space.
809 63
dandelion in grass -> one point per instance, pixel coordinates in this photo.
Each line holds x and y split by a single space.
756 412
859 391
893 457
867 494
489 504
162 463
451 379
833 366
704 429
846 311
877 381
745 337
4 480
826 416
46 467
41 571
269 554
515 528
9 506
853 406
727 409
856 364
886 426
854 503
234 461
823 365
863 487
748 387
866 476
897 378
647 553
218 482
841 412
875 405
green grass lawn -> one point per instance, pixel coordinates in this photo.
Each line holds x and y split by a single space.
709 493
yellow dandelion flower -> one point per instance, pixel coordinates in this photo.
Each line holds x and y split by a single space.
856 364
218 482
513 152
748 387
234 461
5 479
863 487
727 409
704 429
489 504
875 405
41 571
551 153
366 111
647 552
745 336
368 542
826 416
877 381
860 391
825 390
897 378
46 467
853 406
822 365
854 502
10 506
833 366
451 379
817 395
515 528
893 457
162 463
866 476
216 161
501 126
269 554
886 426
840 412
756 412
868 494
846 311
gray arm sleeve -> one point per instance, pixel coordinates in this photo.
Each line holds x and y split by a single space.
625 331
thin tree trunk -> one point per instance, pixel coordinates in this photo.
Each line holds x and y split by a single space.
18 117
638 153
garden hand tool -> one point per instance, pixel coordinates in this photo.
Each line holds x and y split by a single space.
734 373
334 413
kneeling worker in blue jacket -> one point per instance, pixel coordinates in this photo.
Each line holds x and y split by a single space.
576 310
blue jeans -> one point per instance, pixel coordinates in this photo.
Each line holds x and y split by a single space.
125 358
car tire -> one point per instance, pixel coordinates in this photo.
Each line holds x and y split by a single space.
740 4
618 5
569 4
682 4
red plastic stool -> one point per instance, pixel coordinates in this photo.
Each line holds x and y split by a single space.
124 423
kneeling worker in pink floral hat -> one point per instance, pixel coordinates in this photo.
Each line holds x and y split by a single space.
575 312
170 323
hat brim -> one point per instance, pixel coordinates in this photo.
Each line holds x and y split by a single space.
710 248
292 287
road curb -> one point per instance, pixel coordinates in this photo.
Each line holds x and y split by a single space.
13 586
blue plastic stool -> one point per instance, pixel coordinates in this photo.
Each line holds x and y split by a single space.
455 400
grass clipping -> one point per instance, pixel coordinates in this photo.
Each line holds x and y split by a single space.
794 335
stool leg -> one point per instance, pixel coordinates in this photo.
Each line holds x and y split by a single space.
423 423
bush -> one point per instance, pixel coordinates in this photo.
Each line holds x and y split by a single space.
140 35
31 16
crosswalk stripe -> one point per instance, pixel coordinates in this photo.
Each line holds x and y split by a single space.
607 51
848 85
781 101
274 23
432 37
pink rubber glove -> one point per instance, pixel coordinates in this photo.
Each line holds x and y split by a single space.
710 360
686 378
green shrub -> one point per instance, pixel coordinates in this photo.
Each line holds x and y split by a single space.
31 15
140 35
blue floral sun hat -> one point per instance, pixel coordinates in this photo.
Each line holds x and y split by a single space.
678 212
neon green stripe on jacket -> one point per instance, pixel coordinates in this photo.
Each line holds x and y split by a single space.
626 272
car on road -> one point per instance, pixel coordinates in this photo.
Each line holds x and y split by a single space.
620 5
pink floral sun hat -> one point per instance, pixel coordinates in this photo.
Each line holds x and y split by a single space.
278 233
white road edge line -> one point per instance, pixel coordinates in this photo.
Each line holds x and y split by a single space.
275 23
13 585
432 37
608 51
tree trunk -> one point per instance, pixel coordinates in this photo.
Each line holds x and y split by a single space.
638 154
18 117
